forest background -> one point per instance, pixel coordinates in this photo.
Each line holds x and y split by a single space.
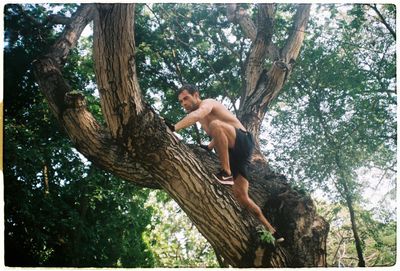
335 117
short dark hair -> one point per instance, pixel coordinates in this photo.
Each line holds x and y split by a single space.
192 89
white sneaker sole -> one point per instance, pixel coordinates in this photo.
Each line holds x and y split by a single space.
227 181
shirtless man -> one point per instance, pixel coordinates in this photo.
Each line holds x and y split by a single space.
233 144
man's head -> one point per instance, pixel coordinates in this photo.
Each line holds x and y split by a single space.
189 97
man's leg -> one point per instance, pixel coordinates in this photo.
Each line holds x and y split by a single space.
240 191
224 136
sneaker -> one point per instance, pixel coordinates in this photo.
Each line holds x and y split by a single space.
223 177
278 238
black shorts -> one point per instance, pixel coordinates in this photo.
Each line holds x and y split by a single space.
240 154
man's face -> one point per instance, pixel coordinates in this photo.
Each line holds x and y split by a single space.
189 102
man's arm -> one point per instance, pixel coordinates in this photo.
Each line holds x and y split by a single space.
205 108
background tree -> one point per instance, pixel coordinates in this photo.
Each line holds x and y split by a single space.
378 234
343 124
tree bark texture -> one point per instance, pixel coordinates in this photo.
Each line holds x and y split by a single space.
136 145
262 85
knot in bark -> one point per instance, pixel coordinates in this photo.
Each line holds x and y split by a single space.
74 100
282 65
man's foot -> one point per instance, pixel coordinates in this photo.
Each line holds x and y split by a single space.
278 237
268 238
223 177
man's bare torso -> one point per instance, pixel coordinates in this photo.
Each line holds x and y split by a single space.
218 112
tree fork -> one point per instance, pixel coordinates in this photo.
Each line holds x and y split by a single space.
141 149
261 86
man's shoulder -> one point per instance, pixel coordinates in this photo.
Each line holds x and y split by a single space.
211 101
208 103
214 104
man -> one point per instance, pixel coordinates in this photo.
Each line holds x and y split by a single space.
233 144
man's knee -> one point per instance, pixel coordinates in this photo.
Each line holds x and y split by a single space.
219 129
215 126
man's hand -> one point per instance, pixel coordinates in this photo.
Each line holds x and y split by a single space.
170 125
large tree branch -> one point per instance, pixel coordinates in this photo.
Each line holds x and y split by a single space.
114 51
59 52
71 33
241 17
98 145
262 85
90 139
249 28
93 141
293 44
258 49
265 22
59 19
281 69
254 68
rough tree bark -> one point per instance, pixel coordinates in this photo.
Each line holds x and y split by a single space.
136 145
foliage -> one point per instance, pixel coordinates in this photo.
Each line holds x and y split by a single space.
355 114
172 237
379 237
182 43
337 114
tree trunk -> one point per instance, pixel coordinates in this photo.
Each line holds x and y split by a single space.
342 183
361 261
137 146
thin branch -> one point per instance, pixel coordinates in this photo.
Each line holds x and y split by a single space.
295 39
71 35
58 19
388 27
